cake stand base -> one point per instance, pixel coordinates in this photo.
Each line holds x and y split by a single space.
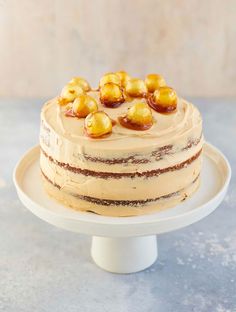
124 255
124 244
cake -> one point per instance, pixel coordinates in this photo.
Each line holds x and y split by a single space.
129 147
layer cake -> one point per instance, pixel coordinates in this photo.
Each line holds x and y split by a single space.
120 154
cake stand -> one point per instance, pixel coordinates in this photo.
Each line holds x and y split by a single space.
124 244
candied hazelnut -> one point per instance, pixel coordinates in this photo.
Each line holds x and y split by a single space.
153 82
69 93
98 124
111 95
124 77
84 105
136 88
110 78
138 117
164 100
81 82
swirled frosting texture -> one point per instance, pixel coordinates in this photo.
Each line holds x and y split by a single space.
167 129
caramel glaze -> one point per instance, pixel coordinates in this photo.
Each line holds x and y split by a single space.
159 108
125 122
112 104
113 122
131 97
109 202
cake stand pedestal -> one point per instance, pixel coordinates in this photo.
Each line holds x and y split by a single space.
125 244
124 254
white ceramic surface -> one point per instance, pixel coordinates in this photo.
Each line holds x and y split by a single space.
141 254
124 254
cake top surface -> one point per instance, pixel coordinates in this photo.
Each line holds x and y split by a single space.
128 112
166 128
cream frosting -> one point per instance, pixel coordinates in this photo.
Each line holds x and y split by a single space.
166 128
121 189
76 203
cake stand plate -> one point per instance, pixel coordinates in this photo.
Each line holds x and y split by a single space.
124 244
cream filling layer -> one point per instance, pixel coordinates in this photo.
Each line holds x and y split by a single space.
147 164
118 211
124 188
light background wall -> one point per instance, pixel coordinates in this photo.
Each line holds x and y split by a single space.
44 43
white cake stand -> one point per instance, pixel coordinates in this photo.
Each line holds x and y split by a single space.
127 244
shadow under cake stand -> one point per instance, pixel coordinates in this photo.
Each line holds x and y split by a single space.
124 244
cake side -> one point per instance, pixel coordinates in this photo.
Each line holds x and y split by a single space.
120 208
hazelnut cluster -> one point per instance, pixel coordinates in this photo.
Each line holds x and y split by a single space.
114 89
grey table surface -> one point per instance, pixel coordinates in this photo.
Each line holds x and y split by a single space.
43 268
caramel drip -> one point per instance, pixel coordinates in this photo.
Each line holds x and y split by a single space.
112 104
125 122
